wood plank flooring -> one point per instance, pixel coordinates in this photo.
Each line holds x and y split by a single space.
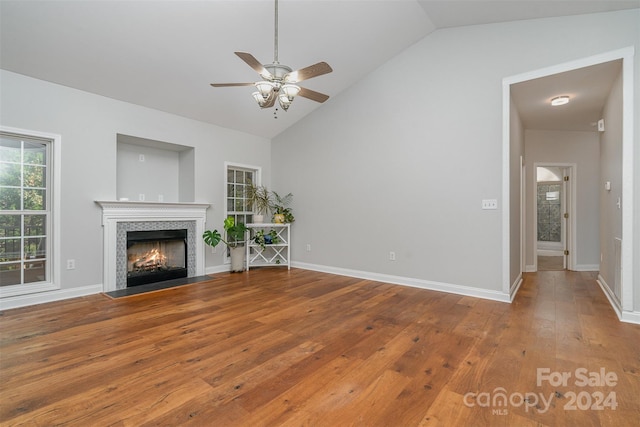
273 347
550 263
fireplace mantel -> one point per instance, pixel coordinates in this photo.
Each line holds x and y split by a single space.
114 212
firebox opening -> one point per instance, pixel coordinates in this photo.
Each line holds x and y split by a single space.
156 256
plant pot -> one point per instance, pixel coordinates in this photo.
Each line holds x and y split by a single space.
258 219
237 258
278 218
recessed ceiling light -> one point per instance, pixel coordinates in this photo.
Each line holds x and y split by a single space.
560 100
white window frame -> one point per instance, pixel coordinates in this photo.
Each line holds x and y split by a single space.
53 233
257 170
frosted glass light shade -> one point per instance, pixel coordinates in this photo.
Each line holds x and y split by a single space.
290 90
265 88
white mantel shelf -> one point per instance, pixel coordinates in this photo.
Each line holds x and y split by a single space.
118 208
116 211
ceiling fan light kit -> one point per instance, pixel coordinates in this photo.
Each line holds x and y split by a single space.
264 88
278 81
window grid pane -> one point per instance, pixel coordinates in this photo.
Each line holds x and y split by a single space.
237 204
23 189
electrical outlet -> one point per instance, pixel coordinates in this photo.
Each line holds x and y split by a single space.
141 158
489 204
308 247
71 264
141 197
392 256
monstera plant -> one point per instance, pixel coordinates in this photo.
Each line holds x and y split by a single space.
236 234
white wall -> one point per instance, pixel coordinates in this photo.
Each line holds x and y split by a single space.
583 149
516 152
89 125
401 161
611 171
156 177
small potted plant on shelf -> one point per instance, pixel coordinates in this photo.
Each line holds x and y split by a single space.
260 199
235 241
262 238
282 213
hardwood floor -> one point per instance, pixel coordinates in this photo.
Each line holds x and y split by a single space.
550 263
273 347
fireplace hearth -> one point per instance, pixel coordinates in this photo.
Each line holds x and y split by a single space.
156 256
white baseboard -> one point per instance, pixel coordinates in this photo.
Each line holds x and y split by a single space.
514 287
624 316
631 317
408 281
49 296
218 269
608 292
586 267
550 252
579 267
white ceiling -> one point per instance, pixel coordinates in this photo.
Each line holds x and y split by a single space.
587 89
164 54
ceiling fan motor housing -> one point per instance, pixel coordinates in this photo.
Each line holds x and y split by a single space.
277 71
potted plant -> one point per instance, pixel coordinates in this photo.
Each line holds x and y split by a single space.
235 239
260 199
281 211
269 238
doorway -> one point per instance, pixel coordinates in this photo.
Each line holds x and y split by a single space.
553 211
513 147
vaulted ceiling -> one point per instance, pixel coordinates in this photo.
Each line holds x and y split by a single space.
164 54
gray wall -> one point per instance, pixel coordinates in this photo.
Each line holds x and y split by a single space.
611 170
516 139
401 161
156 177
89 126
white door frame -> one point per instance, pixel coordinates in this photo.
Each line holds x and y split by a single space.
568 206
627 255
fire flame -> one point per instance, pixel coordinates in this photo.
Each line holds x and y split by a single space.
152 259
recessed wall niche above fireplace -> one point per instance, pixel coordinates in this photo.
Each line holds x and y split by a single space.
120 218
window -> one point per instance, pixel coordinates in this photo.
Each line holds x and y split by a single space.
25 210
238 177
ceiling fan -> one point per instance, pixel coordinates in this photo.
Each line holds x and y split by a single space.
278 80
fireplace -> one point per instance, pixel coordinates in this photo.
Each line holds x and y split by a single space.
155 256
121 217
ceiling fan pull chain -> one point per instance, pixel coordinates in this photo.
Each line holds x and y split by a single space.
275 41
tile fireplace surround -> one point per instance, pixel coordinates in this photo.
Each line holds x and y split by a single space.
119 217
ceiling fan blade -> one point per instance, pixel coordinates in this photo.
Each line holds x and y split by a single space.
254 63
230 84
313 95
314 70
